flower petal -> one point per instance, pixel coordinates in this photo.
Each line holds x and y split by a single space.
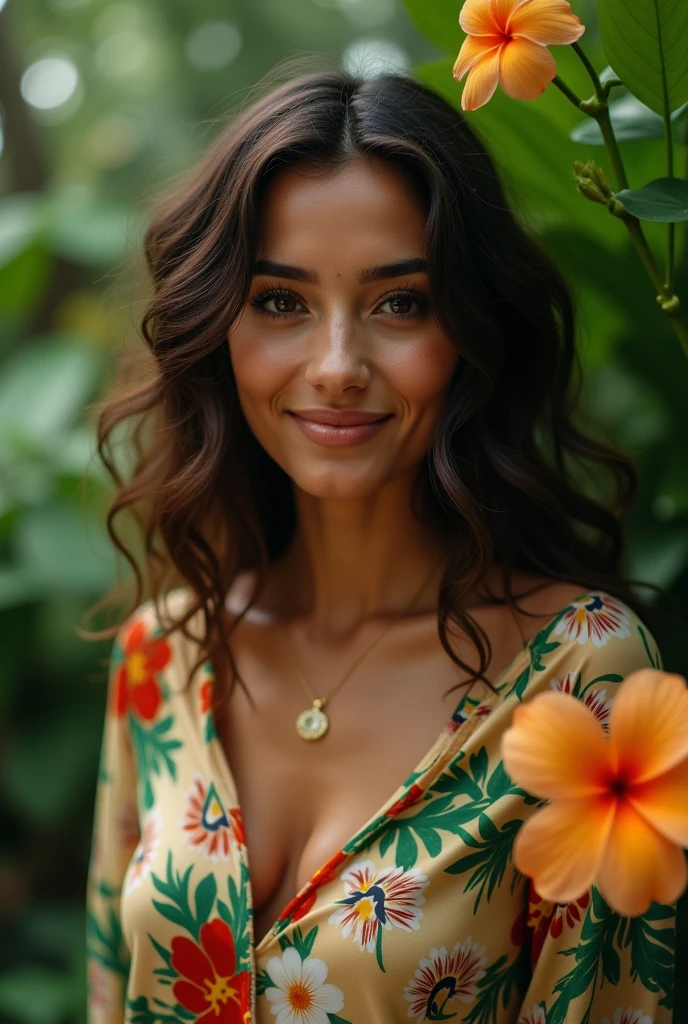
639 865
472 49
548 22
648 727
525 69
562 845
664 803
482 81
476 18
556 748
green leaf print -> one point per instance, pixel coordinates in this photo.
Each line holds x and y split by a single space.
598 931
490 859
153 750
237 916
654 657
334 1019
206 891
166 974
263 982
538 649
303 944
439 813
141 1013
501 980
176 889
105 943
652 951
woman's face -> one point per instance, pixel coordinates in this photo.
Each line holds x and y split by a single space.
340 366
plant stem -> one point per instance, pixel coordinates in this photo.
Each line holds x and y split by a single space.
666 116
569 93
599 91
598 108
612 146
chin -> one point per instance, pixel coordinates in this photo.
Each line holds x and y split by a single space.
339 481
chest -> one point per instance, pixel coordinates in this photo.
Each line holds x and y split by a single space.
300 800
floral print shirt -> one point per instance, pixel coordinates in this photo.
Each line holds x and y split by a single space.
421 916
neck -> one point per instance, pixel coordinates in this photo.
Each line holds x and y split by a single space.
352 559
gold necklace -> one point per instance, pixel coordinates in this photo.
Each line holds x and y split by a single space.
313 723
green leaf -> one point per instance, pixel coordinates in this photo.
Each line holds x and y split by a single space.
47 767
646 42
44 387
438 21
664 200
632 121
36 995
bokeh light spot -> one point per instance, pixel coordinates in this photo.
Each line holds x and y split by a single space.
49 82
122 54
212 45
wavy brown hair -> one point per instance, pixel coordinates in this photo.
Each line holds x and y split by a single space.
502 479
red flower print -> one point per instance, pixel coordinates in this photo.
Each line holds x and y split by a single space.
409 798
209 985
137 685
546 918
237 825
298 907
329 869
570 911
519 928
206 693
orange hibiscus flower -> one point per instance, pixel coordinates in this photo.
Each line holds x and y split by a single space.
506 43
619 811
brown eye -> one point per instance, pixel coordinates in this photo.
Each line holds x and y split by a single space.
401 304
284 303
278 303
404 304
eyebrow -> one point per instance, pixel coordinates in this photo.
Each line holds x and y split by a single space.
413 265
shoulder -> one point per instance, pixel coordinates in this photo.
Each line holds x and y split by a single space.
594 640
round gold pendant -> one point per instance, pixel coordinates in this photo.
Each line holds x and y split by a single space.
312 724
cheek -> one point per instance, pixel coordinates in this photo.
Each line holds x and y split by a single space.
261 368
421 373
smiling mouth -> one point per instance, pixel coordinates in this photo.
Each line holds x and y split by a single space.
338 428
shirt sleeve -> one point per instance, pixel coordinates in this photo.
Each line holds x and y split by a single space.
115 835
589 964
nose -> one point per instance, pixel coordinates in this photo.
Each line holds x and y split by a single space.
337 359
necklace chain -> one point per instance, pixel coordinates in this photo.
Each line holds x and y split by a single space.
320 702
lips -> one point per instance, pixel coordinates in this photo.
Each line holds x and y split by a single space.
339 417
339 428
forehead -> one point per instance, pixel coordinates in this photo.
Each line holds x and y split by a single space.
366 208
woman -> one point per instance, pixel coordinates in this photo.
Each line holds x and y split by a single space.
360 471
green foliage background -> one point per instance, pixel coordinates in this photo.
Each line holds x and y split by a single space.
72 184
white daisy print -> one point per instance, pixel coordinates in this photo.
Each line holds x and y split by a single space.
300 995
